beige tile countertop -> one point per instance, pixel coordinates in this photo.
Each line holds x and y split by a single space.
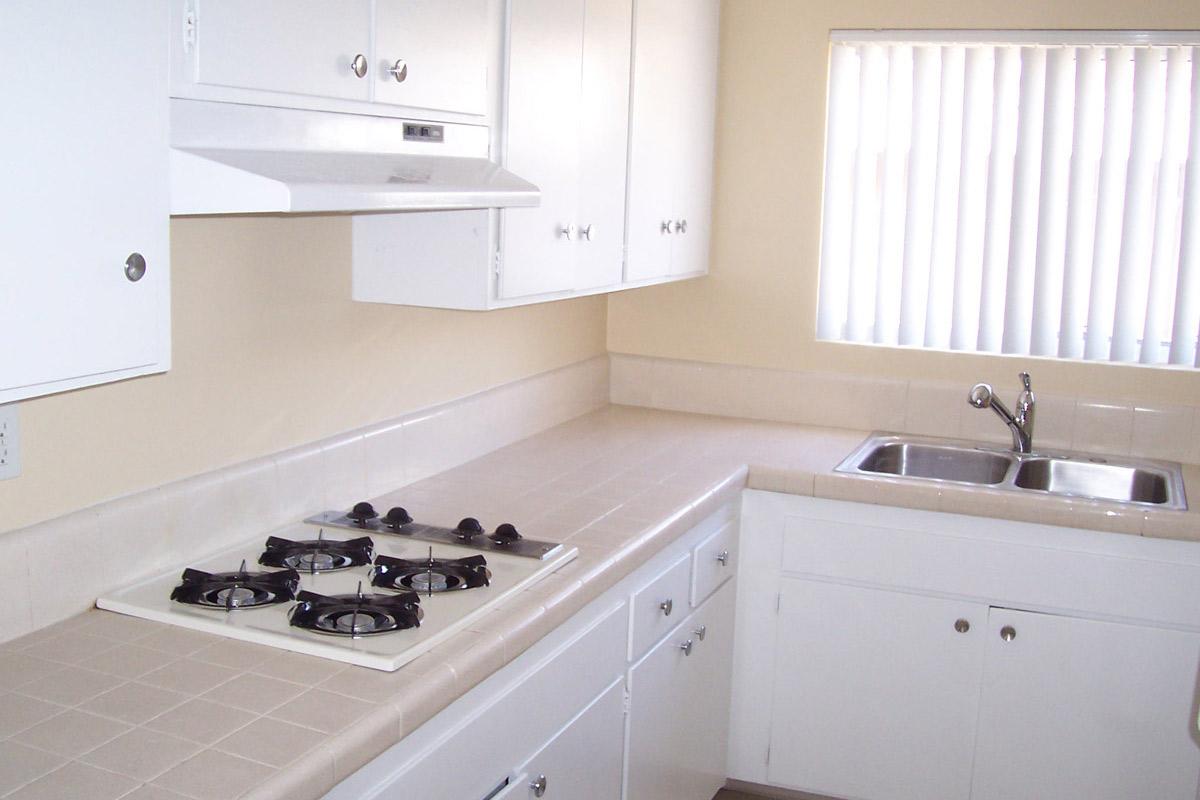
105 706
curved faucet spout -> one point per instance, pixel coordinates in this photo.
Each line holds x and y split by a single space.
1020 423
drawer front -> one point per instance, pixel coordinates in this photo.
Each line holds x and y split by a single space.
714 561
659 605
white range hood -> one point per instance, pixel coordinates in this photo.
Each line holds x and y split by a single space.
240 159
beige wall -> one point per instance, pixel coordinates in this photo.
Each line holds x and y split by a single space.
758 307
270 352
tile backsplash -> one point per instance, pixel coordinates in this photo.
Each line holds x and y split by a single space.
920 407
57 568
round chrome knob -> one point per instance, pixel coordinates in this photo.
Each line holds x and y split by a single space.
701 632
567 232
586 232
135 267
681 226
359 66
539 786
1008 633
399 70
686 647
962 625
667 606
665 227
723 558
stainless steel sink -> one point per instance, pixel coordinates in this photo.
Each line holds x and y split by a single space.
1123 480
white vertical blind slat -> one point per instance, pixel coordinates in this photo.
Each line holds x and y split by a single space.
892 211
835 222
1137 234
938 314
1022 248
1186 326
999 198
1057 134
922 171
1081 202
864 238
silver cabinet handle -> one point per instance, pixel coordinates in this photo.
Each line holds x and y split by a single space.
701 632
1008 633
667 606
586 232
723 558
539 786
567 232
359 65
962 625
399 70
666 226
135 267
686 647
681 226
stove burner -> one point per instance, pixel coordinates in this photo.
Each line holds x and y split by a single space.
356 614
317 555
232 590
431 574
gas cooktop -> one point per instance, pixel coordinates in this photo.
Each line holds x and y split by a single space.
376 599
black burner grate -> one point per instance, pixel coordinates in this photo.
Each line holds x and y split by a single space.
431 574
356 614
233 590
317 555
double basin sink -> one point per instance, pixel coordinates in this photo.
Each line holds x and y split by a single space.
1153 483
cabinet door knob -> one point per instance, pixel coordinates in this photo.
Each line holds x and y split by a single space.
701 632
962 625
567 232
681 226
667 606
399 70
359 65
586 232
539 786
686 647
666 226
135 267
1008 633
723 558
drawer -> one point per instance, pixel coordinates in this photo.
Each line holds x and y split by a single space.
714 561
658 606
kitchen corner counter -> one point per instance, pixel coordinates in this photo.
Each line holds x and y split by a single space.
107 706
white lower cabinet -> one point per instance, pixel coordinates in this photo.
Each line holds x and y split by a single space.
895 673
679 707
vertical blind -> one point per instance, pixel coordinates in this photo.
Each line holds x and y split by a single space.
1017 192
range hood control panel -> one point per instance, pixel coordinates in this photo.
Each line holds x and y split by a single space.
423 132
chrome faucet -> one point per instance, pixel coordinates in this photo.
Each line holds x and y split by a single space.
1021 423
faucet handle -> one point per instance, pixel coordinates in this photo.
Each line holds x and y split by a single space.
1024 376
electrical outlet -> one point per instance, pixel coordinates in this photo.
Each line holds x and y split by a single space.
10 442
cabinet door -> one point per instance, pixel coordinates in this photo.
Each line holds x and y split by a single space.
679 708
655 128
604 140
696 98
1076 709
296 46
545 63
583 762
876 693
443 44
85 185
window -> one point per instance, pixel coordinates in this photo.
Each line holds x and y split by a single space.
1014 192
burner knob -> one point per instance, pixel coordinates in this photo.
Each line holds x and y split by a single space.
396 517
362 512
468 528
505 534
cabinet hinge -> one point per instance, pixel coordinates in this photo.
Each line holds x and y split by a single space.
496 264
778 602
189 27
625 701
768 755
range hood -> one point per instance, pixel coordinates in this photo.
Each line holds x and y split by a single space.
228 158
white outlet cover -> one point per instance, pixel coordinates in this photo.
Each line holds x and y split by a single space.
10 442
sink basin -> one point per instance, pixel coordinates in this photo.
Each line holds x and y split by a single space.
913 460
1121 480
1094 479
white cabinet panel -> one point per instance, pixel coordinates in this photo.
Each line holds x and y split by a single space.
657 607
1077 709
85 186
302 47
443 44
584 761
876 693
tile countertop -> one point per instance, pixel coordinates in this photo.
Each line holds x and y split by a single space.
105 706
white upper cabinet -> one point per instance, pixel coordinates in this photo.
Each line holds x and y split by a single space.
307 47
566 127
84 290
671 138
432 54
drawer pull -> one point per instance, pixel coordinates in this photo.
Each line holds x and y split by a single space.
399 70
686 647
359 65
667 606
701 632
1008 633
539 786
723 558
962 625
